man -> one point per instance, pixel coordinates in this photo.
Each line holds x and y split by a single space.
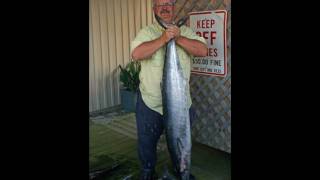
149 48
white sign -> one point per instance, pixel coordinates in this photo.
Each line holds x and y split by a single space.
212 26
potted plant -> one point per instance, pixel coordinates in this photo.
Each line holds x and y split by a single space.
129 77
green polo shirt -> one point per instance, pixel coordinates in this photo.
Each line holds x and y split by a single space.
152 68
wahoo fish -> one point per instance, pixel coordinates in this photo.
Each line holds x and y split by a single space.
175 108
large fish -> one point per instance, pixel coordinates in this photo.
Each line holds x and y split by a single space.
175 108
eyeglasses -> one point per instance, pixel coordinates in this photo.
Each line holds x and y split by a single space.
164 5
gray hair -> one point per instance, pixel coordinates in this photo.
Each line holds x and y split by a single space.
154 2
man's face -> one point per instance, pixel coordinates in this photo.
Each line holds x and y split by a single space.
164 9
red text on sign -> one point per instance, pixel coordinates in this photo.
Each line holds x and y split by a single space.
208 35
205 23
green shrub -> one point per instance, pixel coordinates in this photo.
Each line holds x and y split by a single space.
129 76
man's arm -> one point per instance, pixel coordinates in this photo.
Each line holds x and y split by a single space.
192 46
146 49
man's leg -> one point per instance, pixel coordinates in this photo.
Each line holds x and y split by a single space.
149 127
192 115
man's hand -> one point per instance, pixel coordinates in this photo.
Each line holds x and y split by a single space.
171 32
146 49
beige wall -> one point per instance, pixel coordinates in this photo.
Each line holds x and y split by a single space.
112 26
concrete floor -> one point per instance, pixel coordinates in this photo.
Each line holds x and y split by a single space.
113 147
